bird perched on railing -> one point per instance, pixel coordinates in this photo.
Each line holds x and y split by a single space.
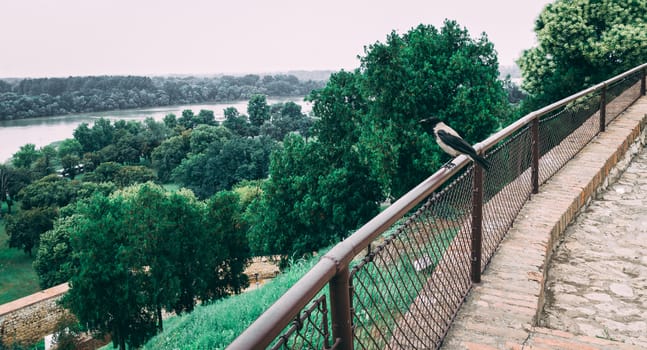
451 142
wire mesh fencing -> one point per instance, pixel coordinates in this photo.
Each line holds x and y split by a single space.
563 133
310 329
622 94
400 280
407 288
506 188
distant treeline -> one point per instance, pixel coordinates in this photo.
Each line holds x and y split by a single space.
41 97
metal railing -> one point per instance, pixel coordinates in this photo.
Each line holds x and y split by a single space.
399 280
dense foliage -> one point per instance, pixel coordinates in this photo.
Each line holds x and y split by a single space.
53 96
271 181
314 196
581 43
143 249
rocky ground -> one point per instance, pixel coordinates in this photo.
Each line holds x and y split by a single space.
597 280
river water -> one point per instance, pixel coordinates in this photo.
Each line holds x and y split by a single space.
45 130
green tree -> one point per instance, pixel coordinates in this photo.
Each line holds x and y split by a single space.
227 230
169 155
102 133
287 118
54 264
129 175
105 289
223 164
153 134
170 120
25 227
128 147
44 164
205 117
426 72
51 190
70 147
93 139
120 175
188 119
70 152
143 249
236 122
12 180
582 43
26 156
314 196
204 135
258 110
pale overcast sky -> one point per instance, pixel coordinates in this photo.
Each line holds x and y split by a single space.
40 38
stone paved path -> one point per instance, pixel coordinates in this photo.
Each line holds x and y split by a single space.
587 312
597 278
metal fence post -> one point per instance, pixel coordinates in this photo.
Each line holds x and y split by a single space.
340 309
642 82
477 223
603 108
534 174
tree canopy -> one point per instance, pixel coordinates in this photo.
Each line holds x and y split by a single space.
143 249
426 71
53 96
581 43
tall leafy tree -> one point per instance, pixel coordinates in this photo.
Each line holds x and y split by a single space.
581 43
50 190
188 119
426 71
314 197
143 249
70 152
93 139
286 118
258 110
26 156
45 163
236 122
205 117
25 227
153 134
12 180
106 292
224 163
54 261
169 154
227 230
204 135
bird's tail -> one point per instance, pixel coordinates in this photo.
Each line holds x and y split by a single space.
484 163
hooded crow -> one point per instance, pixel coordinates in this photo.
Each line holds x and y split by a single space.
451 142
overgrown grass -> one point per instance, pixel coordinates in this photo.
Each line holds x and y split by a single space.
17 276
216 325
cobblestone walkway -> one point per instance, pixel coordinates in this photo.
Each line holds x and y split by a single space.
597 278
589 293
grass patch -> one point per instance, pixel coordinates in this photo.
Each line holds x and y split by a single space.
216 325
17 275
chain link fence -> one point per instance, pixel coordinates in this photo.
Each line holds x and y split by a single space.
398 282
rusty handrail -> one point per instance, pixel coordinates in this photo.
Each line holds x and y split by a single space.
527 119
335 263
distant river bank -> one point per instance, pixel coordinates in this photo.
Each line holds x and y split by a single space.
45 130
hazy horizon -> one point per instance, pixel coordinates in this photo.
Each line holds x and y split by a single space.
199 37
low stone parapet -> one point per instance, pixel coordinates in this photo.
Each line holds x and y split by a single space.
29 319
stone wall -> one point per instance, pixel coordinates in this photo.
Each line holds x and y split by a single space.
30 319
